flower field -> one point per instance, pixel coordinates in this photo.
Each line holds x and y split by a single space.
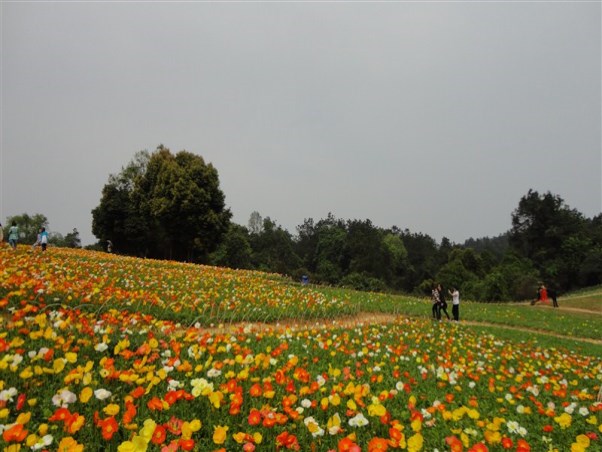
101 352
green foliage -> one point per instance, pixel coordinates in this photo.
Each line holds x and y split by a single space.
163 205
70 240
552 235
273 249
235 249
364 282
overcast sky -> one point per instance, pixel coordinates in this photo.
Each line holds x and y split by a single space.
437 117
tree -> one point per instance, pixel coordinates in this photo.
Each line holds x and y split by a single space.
552 235
235 250
461 271
163 205
397 256
71 240
273 249
329 250
422 258
365 251
255 223
117 218
305 244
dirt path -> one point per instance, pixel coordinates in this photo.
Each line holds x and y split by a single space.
364 318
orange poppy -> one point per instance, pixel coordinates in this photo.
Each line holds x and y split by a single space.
377 444
159 435
254 417
108 427
16 434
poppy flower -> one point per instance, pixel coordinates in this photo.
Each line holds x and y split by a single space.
219 434
15 434
68 444
108 427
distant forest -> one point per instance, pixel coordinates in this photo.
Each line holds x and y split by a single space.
170 206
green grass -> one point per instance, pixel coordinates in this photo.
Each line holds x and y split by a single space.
540 318
532 338
590 299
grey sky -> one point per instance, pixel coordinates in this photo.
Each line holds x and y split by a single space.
435 117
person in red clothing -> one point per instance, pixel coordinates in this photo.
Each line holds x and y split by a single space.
542 295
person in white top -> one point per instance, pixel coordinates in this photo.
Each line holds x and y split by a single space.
455 303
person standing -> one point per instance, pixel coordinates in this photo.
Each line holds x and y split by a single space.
543 294
442 302
553 295
1 235
455 294
38 239
13 235
435 301
43 238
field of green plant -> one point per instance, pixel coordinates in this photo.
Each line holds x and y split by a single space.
102 352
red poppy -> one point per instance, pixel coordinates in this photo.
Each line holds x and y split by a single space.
108 427
186 444
20 401
346 444
159 435
288 441
138 392
171 397
479 447
16 434
254 417
522 446
377 445
255 390
174 425
61 414
454 443
130 412
155 404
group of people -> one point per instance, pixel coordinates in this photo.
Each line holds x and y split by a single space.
13 237
440 305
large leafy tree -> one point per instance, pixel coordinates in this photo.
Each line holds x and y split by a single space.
117 218
163 205
552 235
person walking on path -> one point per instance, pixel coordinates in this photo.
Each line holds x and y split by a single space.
455 294
435 301
442 302
13 235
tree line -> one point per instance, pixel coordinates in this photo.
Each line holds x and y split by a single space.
170 206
